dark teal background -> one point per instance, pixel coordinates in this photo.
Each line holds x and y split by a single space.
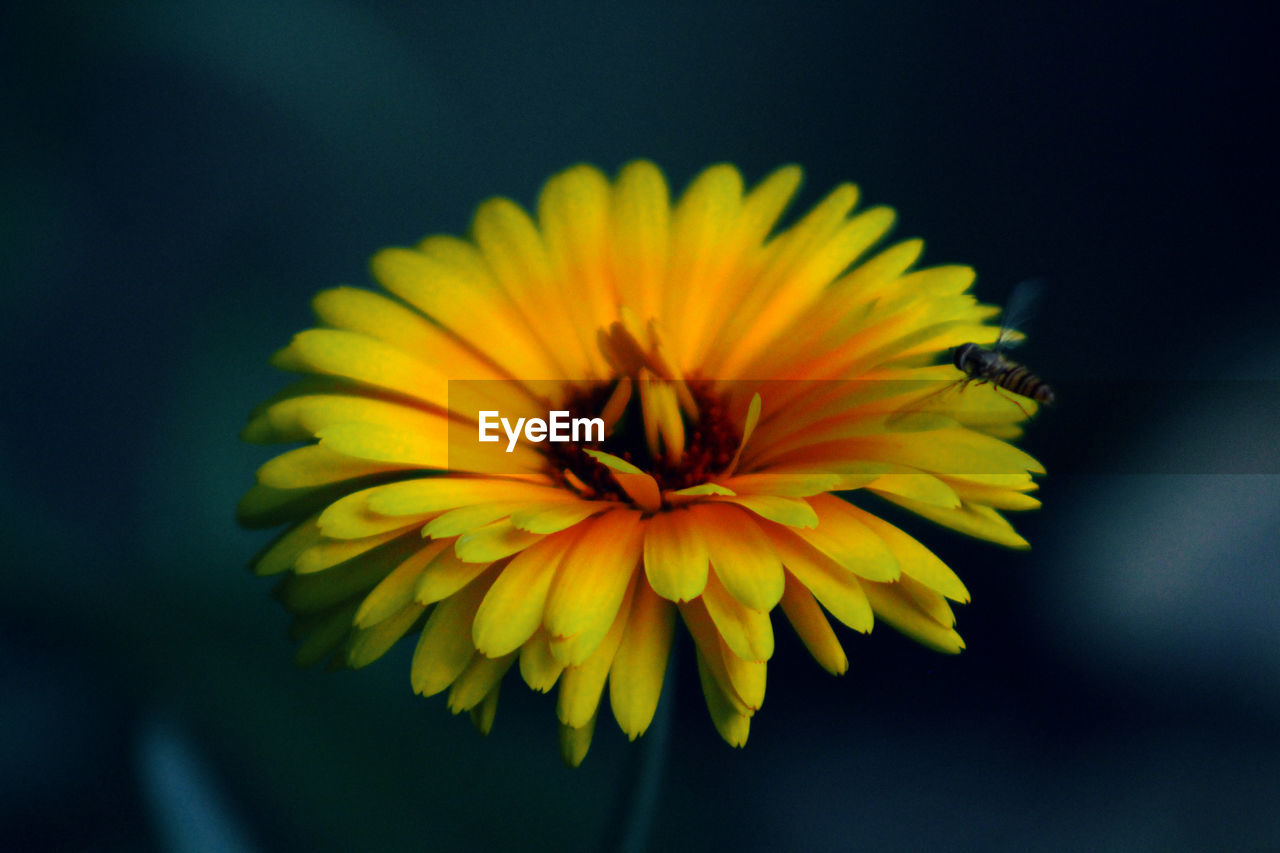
178 180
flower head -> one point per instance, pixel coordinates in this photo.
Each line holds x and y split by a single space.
740 376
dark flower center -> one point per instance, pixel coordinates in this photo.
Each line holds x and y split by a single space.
710 442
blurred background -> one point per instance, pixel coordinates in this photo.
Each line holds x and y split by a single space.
179 178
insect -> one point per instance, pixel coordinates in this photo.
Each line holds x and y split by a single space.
982 365
991 365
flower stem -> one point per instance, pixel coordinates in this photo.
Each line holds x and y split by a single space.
632 821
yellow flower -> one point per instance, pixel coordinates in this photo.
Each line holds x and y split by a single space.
742 376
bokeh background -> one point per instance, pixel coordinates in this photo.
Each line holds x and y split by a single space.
179 177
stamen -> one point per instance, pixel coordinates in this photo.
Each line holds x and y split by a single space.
630 322
618 400
630 355
610 352
674 432
649 413
670 425
666 368
753 418
577 484
663 427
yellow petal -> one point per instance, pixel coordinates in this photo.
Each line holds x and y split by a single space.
711 649
320 635
949 451
440 280
803 241
538 667
465 519
280 555
837 589
437 494
493 542
746 676
756 217
444 648
573 210
702 490
333 352
591 583
748 633
638 485
917 561
477 681
781 285
701 256
767 200
445 575
482 715
741 555
581 686
996 497
793 512
641 213
329 553
513 250
793 288
574 743
554 516
732 725
843 537
975 520
388 445
314 465
785 483
635 679
929 602
884 269
369 644
374 315
1018 482
350 517
512 610
673 498
321 590
813 628
298 417
939 281
675 555
263 506
922 487
896 607
396 590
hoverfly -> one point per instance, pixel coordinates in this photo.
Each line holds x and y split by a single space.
980 364
991 365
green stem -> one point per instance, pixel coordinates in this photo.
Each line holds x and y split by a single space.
638 799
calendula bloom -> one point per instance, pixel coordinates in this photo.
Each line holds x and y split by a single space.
740 375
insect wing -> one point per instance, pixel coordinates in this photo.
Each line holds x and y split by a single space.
1022 304
928 412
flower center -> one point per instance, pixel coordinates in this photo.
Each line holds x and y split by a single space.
709 441
674 429
645 433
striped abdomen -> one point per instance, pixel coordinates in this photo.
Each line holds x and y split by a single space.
1019 380
986 365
